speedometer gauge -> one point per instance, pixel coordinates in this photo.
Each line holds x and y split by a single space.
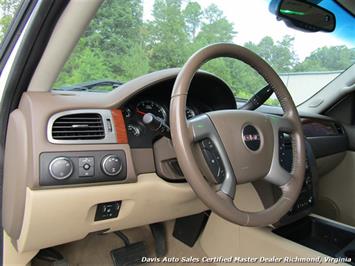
154 108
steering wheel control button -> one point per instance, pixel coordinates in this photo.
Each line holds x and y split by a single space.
107 210
61 168
213 159
111 165
251 138
86 166
207 144
212 162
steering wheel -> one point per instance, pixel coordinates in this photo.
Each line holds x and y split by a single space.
246 143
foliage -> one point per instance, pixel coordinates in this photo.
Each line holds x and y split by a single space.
7 10
167 35
84 65
280 54
328 58
192 15
215 27
118 44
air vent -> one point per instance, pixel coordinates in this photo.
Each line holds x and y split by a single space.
84 126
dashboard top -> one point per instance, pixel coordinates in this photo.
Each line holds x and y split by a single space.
153 90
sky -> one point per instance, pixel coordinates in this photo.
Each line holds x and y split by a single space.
239 13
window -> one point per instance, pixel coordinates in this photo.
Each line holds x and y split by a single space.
127 39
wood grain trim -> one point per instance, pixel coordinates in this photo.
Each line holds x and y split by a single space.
120 126
314 127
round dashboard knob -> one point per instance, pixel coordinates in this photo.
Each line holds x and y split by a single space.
61 168
111 165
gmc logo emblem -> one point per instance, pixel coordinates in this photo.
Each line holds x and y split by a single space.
251 138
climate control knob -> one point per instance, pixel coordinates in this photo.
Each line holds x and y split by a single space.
111 165
61 168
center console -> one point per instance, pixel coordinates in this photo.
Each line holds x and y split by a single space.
299 225
269 194
305 202
326 236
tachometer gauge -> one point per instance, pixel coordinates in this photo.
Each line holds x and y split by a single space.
190 113
154 108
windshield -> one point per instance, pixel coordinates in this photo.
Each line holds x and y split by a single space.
127 39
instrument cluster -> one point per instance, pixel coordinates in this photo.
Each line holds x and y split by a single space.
136 128
146 114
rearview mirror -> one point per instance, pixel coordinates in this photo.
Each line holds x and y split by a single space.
303 15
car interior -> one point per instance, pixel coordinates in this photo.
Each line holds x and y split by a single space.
173 166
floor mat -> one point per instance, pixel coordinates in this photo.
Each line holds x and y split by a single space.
95 249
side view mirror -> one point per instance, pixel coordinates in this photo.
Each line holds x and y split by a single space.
302 15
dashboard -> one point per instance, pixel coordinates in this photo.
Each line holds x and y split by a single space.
82 153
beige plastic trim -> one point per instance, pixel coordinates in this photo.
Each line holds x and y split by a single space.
14 181
328 163
338 186
66 34
12 257
222 238
57 216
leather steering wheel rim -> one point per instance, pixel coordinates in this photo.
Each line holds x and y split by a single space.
214 125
